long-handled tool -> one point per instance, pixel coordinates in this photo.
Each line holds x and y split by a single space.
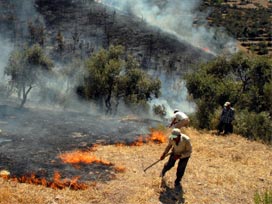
155 163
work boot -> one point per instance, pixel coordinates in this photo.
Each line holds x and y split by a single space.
177 184
178 187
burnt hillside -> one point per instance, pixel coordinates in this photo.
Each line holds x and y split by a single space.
86 26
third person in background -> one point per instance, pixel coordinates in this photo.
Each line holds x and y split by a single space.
180 120
226 118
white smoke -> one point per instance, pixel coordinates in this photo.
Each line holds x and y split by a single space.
6 48
174 94
178 17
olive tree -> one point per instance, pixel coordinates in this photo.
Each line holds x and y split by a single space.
245 81
24 68
112 76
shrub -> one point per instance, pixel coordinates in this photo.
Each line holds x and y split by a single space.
253 125
263 198
159 110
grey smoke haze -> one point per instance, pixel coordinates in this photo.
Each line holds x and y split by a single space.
6 48
177 17
174 94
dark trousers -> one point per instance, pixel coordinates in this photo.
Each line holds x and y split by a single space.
226 127
180 170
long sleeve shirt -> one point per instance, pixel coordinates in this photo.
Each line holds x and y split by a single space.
227 115
183 148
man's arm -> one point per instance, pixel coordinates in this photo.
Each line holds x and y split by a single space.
168 147
173 122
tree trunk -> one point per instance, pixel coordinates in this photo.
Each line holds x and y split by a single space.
25 93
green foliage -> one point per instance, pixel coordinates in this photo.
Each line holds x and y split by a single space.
253 125
263 198
263 49
243 80
24 68
245 24
159 110
113 76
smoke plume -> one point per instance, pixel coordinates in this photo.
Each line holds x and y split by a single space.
179 18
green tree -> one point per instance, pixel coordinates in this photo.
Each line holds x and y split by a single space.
113 76
245 81
263 49
25 67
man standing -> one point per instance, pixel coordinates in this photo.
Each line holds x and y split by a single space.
226 118
181 150
180 119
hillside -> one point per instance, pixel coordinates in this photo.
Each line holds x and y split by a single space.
221 170
247 21
81 28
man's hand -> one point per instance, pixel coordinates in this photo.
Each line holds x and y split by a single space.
162 156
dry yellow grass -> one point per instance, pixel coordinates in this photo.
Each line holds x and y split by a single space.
222 170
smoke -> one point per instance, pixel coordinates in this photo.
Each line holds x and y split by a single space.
6 48
176 17
179 18
174 94
184 20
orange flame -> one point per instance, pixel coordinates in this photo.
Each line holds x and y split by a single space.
206 49
156 136
77 156
57 182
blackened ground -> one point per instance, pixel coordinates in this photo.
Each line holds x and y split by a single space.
32 139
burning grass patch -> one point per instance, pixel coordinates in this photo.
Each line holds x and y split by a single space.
56 183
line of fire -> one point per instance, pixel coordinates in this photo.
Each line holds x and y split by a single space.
79 159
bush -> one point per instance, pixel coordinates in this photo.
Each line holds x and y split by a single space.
243 80
253 125
263 198
159 110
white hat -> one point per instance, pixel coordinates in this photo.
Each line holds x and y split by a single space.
176 110
175 133
227 104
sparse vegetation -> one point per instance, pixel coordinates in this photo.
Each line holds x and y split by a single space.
263 197
24 68
247 21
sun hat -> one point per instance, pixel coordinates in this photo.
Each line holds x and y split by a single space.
176 110
227 104
175 133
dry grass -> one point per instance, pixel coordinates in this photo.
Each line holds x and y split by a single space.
222 170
